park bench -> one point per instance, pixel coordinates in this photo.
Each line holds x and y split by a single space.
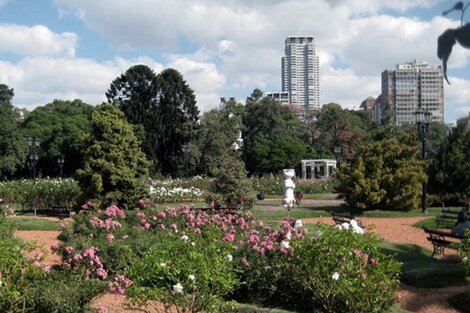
59 211
340 218
442 239
447 218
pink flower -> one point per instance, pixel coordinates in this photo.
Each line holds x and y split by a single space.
147 226
174 228
103 310
109 238
101 273
140 214
161 214
125 237
69 250
55 246
113 210
142 202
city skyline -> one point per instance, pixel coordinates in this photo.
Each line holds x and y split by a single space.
66 49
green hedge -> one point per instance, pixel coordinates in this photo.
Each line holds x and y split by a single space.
40 193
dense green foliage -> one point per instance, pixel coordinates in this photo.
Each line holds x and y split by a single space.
384 175
61 126
192 259
41 193
115 168
29 286
217 132
164 106
231 188
450 170
267 119
13 148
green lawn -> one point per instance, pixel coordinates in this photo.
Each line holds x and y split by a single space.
29 223
420 270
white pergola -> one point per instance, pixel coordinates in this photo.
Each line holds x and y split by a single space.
320 168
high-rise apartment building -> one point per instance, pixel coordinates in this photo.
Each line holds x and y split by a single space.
408 87
300 72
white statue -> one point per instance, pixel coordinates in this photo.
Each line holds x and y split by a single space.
289 200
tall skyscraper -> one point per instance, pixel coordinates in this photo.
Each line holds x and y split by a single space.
408 87
300 72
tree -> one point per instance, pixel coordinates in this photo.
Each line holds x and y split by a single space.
61 127
136 93
175 122
267 119
163 109
335 127
450 170
115 168
13 148
384 175
218 131
231 188
273 155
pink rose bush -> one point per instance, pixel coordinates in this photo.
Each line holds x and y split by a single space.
210 255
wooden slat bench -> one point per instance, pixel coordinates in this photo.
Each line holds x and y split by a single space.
340 218
447 218
442 239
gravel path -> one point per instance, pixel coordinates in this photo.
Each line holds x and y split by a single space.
399 230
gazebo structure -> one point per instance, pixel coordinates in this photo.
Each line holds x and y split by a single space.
319 169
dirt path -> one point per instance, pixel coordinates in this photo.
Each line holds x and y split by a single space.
398 230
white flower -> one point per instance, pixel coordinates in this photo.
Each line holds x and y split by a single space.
465 259
353 223
358 230
229 258
335 276
298 224
289 236
193 243
285 244
345 225
192 277
178 288
184 238
338 226
162 264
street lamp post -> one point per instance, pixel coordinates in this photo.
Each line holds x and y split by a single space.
337 150
186 151
33 144
423 119
61 161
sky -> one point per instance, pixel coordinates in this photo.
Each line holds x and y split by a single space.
68 49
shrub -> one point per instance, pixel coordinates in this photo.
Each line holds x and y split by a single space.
332 271
464 252
115 168
231 189
191 258
274 185
41 193
384 175
190 271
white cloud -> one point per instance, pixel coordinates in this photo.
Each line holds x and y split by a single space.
39 80
242 40
36 40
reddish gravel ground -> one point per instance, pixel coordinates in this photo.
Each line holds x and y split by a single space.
420 300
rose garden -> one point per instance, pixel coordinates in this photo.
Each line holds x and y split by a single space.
229 233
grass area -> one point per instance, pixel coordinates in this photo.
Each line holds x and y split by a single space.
429 223
420 270
27 223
